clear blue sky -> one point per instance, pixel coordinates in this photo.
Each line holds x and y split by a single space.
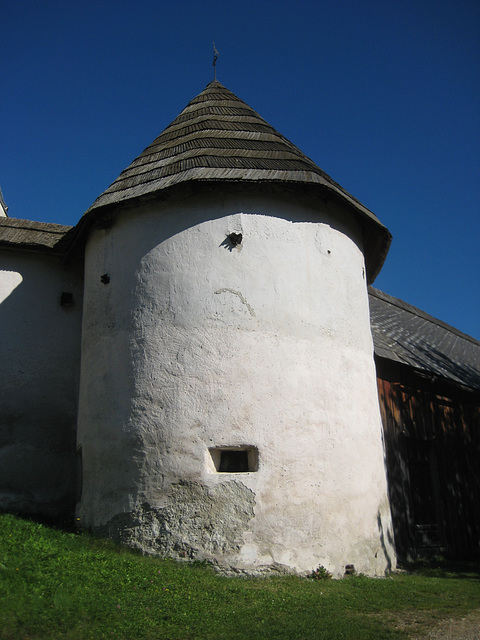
382 95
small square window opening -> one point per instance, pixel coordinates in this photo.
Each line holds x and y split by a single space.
241 459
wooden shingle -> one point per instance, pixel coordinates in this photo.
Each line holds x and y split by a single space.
219 138
28 235
402 333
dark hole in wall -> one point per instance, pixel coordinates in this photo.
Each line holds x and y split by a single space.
66 299
235 238
233 461
239 459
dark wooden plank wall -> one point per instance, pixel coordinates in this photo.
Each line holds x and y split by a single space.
432 446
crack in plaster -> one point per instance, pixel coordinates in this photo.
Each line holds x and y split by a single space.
242 299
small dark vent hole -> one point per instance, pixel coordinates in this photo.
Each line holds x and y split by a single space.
235 238
66 299
235 459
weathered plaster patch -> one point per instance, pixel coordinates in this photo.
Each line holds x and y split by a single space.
197 522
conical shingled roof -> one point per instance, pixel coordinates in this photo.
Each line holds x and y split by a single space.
217 137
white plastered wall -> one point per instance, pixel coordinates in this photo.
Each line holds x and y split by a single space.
194 343
39 377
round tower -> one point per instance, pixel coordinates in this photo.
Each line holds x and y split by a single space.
228 402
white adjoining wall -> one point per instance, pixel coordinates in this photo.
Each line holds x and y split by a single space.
191 343
39 377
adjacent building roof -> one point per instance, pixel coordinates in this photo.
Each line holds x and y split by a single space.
407 335
218 137
33 236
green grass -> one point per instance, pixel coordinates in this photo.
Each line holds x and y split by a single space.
55 585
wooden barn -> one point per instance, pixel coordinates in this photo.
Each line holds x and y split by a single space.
429 387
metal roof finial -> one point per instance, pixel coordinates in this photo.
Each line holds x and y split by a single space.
215 56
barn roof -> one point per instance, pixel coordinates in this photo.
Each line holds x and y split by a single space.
407 335
45 237
219 138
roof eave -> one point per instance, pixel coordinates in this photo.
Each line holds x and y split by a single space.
376 237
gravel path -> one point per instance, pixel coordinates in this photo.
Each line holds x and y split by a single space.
467 628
